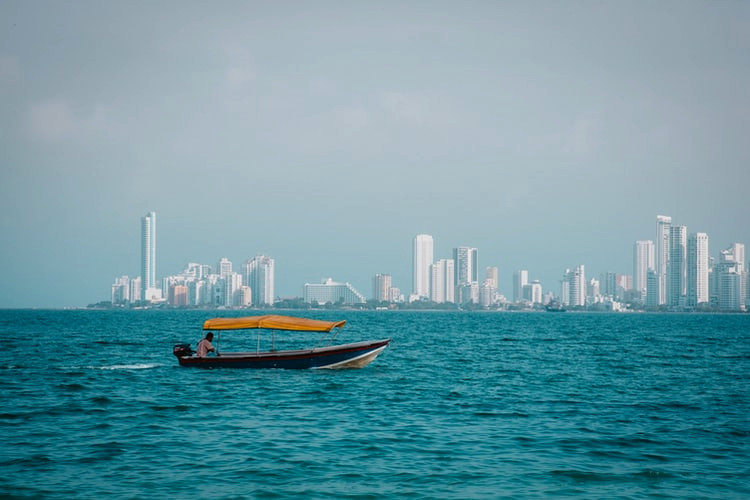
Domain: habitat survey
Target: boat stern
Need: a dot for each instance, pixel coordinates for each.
(182, 350)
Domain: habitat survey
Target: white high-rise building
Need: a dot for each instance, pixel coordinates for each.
(491, 273)
(437, 283)
(736, 253)
(677, 267)
(245, 296)
(466, 274)
(422, 254)
(532, 292)
(442, 286)
(663, 225)
(652, 289)
(381, 287)
(148, 257)
(731, 278)
(697, 269)
(136, 289)
(259, 275)
(487, 293)
(536, 292)
(520, 279)
(232, 289)
(224, 267)
(573, 289)
(121, 291)
(594, 290)
(643, 260)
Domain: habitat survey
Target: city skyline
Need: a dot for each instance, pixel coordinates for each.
(544, 134)
(693, 279)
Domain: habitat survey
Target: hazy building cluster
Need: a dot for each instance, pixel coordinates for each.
(673, 272)
(677, 271)
(201, 285)
(453, 280)
(197, 284)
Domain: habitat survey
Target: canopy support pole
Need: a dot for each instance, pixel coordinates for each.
(338, 329)
(325, 335)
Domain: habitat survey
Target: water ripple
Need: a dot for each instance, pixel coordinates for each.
(460, 406)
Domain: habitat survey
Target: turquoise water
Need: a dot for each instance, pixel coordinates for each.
(461, 405)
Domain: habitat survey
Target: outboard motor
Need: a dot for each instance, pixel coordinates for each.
(181, 350)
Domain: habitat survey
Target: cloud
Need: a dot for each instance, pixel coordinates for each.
(55, 120)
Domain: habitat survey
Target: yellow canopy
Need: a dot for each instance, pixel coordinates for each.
(272, 322)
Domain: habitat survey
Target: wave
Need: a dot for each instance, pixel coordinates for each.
(592, 476)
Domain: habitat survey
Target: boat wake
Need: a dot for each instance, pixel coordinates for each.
(139, 366)
(136, 366)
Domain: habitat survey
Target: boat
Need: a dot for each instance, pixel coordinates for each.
(323, 355)
(554, 306)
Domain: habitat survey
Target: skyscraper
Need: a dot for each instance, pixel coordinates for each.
(520, 279)
(677, 266)
(652, 289)
(259, 275)
(576, 287)
(608, 284)
(422, 253)
(466, 274)
(532, 292)
(492, 274)
(697, 269)
(736, 253)
(643, 260)
(148, 256)
(731, 277)
(442, 288)
(663, 225)
(381, 287)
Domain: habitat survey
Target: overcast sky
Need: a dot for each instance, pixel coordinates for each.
(328, 134)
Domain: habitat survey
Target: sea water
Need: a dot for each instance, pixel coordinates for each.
(461, 405)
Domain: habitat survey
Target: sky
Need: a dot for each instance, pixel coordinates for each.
(328, 134)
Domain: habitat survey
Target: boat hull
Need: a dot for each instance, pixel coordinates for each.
(354, 355)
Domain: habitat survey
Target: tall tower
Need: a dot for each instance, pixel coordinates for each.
(465, 259)
(697, 269)
(466, 274)
(573, 287)
(442, 288)
(663, 225)
(677, 266)
(520, 279)
(731, 277)
(643, 260)
(381, 287)
(578, 286)
(224, 267)
(422, 253)
(148, 255)
(259, 275)
(492, 275)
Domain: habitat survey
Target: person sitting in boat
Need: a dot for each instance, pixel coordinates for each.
(204, 346)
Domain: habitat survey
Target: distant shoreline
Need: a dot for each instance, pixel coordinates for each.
(254, 311)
